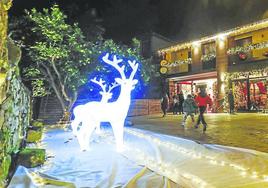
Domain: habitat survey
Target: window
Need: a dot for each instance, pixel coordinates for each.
(209, 48)
(189, 54)
(174, 56)
(243, 42)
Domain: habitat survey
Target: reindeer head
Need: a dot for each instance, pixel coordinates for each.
(106, 95)
(126, 83)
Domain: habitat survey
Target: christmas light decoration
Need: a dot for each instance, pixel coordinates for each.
(255, 73)
(91, 114)
(233, 32)
(208, 57)
(244, 49)
(180, 62)
(168, 170)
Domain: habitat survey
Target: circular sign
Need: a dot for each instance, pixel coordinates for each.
(164, 63)
(163, 70)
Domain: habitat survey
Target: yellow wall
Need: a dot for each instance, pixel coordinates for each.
(177, 56)
(257, 37)
(182, 54)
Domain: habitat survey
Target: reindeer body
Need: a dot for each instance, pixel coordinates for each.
(93, 113)
(80, 109)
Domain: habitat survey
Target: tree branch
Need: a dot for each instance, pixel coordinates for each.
(59, 78)
(52, 81)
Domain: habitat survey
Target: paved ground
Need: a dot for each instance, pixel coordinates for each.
(246, 130)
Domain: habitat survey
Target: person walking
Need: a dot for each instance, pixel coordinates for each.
(202, 101)
(231, 101)
(175, 104)
(164, 104)
(189, 108)
(181, 100)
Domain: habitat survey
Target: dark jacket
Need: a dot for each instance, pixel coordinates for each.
(164, 102)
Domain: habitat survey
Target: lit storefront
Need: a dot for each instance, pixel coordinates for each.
(250, 90)
(192, 84)
(236, 59)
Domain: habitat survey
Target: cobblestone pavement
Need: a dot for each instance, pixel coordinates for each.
(245, 130)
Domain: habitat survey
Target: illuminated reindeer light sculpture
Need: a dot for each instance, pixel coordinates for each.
(79, 110)
(93, 113)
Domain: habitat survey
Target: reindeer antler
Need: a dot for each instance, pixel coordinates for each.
(100, 83)
(114, 85)
(134, 67)
(114, 63)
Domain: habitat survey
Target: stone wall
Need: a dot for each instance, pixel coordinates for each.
(14, 119)
(15, 112)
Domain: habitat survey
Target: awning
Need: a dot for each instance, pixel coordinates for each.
(200, 76)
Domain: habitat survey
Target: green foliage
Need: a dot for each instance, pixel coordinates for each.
(133, 52)
(62, 45)
(60, 59)
(4, 169)
(37, 124)
(31, 157)
(39, 89)
(34, 136)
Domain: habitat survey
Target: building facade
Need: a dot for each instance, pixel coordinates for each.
(150, 44)
(235, 60)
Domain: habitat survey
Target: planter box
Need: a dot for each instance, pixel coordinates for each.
(31, 157)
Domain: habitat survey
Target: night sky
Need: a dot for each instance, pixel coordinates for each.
(178, 20)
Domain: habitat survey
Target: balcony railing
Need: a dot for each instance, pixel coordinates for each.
(209, 61)
(249, 53)
(240, 58)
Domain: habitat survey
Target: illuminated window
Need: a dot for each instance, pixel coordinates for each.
(209, 48)
(243, 42)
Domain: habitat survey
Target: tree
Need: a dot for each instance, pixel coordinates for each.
(61, 59)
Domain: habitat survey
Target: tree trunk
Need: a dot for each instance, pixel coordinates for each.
(67, 113)
(60, 81)
(56, 90)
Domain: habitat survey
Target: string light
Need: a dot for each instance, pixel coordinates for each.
(193, 154)
(233, 32)
(165, 169)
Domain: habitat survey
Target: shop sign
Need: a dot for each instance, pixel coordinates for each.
(163, 70)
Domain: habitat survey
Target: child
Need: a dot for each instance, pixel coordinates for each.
(189, 108)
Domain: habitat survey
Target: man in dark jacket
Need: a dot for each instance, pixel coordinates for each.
(181, 100)
(164, 104)
(231, 101)
(202, 101)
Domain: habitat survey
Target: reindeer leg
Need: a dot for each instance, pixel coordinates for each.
(84, 135)
(74, 126)
(98, 129)
(118, 129)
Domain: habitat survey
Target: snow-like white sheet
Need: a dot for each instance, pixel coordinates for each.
(148, 160)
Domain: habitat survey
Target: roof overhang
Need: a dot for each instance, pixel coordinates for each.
(200, 76)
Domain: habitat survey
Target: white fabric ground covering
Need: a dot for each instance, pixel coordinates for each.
(149, 160)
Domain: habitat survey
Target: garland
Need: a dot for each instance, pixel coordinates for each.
(240, 75)
(245, 49)
(208, 57)
(180, 62)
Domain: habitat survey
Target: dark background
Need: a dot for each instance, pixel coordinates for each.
(178, 20)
